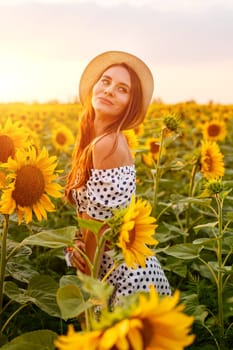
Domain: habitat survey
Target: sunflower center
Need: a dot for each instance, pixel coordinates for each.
(154, 147)
(37, 126)
(7, 148)
(147, 334)
(208, 162)
(214, 130)
(29, 185)
(60, 138)
(132, 234)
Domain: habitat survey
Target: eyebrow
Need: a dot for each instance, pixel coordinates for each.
(110, 78)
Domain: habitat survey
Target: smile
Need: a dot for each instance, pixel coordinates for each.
(105, 101)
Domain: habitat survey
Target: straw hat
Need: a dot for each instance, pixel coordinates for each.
(100, 63)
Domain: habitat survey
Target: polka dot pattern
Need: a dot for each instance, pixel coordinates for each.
(109, 189)
(105, 190)
(127, 281)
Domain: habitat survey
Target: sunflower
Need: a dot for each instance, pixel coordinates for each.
(139, 130)
(62, 138)
(37, 125)
(12, 137)
(152, 324)
(2, 179)
(78, 340)
(31, 183)
(163, 325)
(35, 140)
(132, 140)
(172, 123)
(152, 146)
(136, 232)
(215, 130)
(212, 165)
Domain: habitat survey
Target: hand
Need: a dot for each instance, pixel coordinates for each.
(77, 260)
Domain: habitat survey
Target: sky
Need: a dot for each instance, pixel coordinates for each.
(45, 45)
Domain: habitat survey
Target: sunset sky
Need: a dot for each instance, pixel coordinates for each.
(44, 46)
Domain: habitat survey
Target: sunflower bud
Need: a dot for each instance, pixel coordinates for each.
(171, 122)
(213, 187)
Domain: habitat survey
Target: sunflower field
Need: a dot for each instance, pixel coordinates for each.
(184, 166)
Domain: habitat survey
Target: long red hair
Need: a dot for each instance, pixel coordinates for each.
(82, 154)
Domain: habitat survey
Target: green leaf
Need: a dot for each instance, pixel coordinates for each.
(228, 241)
(96, 288)
(186, 251)
(41, 291)
(177, 267)
(207, 243)
(20, 251)
(70, 301)
(91, 225)
(70, 279)
(36, 340)
(15, 293)
(229, 216)
(58, 238)
(20, 270)
(178, 199)
(207, 225)
(172, 228)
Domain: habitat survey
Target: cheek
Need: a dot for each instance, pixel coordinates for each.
(125, 101)
(94, 90)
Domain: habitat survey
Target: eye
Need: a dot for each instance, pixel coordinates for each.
(123, 89)
(105, 81)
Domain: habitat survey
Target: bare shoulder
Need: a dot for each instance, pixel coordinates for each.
(105, 141)
(111, 151)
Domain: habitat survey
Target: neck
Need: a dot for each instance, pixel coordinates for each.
(100, 126)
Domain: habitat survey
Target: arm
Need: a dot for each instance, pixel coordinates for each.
(106, 154)
(87, 243)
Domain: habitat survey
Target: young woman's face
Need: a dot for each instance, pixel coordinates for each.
(111, 93)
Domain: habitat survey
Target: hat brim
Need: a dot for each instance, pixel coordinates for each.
(98, 64)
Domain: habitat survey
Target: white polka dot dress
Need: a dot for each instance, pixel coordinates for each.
(127, 281)
(106, 189)
(109, 189)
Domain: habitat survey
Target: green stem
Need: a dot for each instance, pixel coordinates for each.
(213, 336)
(190, 194)
(226, 281)
(11, 316)
(228, 328)
(98, 253)
(3, 258)
(109, 272)
(157, 173)
(87, 260)
(226, 257)
(163, 211)
(88, 315)
(7, 305)
(179, 222)
(210, 269)
(220, 266)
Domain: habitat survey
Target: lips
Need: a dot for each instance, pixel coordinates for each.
(105, 101)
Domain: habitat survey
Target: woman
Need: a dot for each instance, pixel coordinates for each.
(115, 90)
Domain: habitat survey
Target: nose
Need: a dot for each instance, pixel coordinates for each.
(109, 90)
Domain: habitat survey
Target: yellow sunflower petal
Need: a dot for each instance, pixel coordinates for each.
(212, 165)
(33, 181)
(135, 337)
